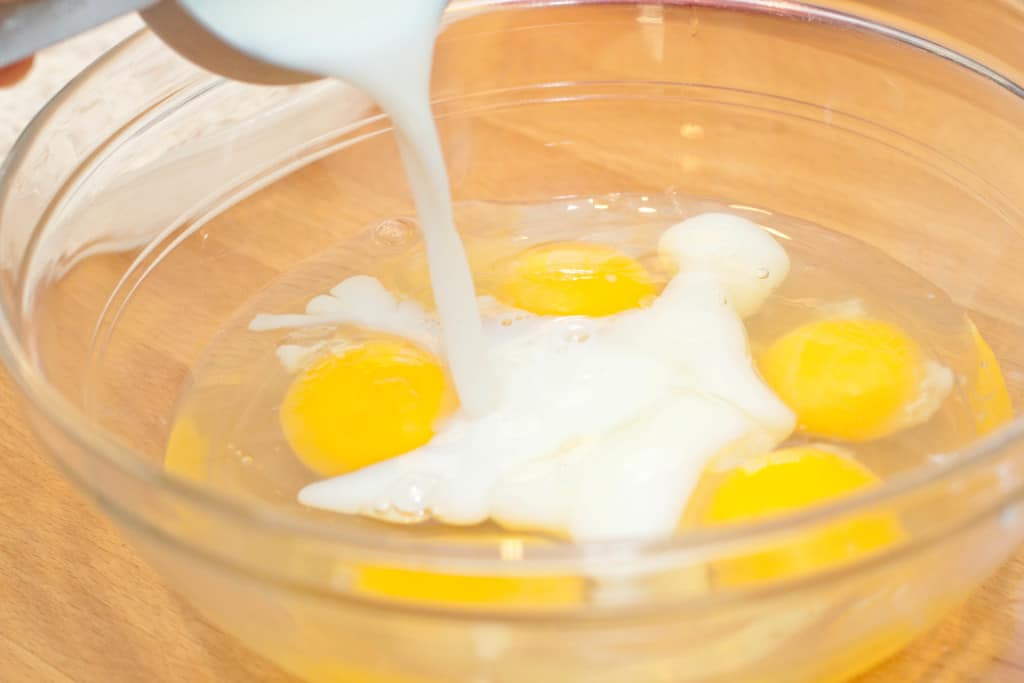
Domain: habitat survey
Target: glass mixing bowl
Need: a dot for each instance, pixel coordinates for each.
(151, 200)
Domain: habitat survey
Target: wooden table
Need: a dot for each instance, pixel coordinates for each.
(77, 603)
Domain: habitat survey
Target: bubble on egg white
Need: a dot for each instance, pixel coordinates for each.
(413, 496)
(395, 232)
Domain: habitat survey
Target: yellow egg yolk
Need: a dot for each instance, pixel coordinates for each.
(187, 448)
(847, 379)
(470, 590)
(574, 278)
(786, 481)
(989, 397)
(363, 404)
(429, 586)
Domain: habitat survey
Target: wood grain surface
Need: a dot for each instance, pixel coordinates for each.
(77, 603)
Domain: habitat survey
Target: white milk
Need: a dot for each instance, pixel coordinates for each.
(386, 48)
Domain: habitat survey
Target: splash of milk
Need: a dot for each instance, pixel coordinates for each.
(384, 47)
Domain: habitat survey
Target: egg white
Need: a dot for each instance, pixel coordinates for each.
(603, 426)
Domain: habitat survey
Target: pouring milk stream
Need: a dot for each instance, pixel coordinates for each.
(385, 48)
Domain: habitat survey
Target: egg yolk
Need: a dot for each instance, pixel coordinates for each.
(788, 480)
(574, 278)
(423, 585)
(468, 590)
(451, 589)
(363, 404)
(989, 397)
(187, 448)
(847, 379)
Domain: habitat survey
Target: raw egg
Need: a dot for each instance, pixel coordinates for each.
(788, 480)
(854, 379)
(574, 278)
(363, 404)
